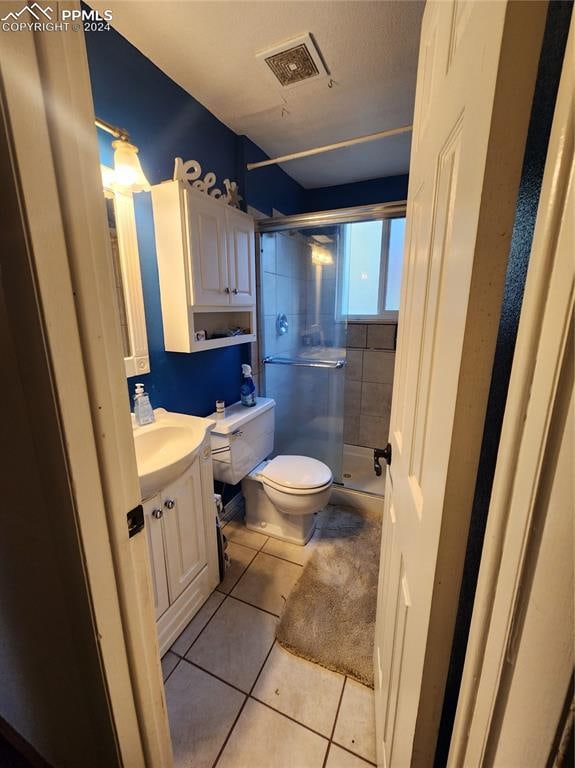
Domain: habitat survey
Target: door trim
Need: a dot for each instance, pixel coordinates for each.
(55, 155)
(505, 555)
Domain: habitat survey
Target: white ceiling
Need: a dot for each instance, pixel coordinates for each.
(370, 49)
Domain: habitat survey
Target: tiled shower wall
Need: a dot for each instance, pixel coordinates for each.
(369, 383)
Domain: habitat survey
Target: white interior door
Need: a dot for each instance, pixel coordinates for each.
(476, 73)
(207, 228)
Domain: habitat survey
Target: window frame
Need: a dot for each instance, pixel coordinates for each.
(383, 315)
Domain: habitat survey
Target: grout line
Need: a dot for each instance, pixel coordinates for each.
(242, 708)
(221, 591)
(179, 658)
(289, 717)
(203, 628)
(335, 721)
(245, 602)
(279, 557)
(360, 757)
(217, 677)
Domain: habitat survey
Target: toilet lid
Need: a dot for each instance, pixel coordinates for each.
(297, 472)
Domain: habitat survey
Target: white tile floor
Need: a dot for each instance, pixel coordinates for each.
(237, 699)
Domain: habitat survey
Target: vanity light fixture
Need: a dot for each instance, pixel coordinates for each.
(320, 256)
(128, 173)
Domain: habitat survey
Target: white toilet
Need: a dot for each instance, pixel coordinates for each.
(282, 494)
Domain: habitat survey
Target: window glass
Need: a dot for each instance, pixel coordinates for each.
(394, 264)
(364, 254)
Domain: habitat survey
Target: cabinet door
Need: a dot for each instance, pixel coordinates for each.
(184, 532)
(209, 263)
(157, 558)
(241, 257)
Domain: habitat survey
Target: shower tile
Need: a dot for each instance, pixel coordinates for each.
(376, 399)
(356, 335)
(269, 294)
(352, 397)
(354, 364)
(268, 261)
(373, 431)
(378, 366)
(351, 428)
(285, 301)
(381, 336)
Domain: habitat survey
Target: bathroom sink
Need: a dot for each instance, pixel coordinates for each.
(166, 448)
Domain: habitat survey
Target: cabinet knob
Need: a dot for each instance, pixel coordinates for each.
(226, 290)
(169, 503)
(157, 513)
(236, 291)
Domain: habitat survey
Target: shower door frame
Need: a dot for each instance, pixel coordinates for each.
(298, 221)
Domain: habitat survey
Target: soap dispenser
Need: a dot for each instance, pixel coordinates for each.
(143, 410)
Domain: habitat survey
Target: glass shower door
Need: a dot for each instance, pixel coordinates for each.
(304, 341)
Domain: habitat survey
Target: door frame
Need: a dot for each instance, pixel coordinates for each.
(532, 397)
(54, 156)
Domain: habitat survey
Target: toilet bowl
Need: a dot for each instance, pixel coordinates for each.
(283, 495)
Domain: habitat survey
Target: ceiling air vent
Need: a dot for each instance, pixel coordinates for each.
(294, 61)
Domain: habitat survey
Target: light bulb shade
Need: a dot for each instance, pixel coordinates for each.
(321, 256)
(128, 173)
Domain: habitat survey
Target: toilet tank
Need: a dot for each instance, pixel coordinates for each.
(242, 439)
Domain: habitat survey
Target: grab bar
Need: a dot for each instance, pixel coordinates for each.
(304, 362)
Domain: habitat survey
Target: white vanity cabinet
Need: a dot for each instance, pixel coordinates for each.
(180, 524)
(206, 265)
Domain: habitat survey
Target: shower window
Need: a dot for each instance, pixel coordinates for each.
(369, 278)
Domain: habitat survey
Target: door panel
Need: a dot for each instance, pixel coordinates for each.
(207, 225)
(241, 260)
(157, 557)
(465, 169)
(184, 530)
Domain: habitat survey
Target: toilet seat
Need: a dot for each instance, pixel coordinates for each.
(297, 475)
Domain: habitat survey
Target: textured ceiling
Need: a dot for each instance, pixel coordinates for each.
(370, 49)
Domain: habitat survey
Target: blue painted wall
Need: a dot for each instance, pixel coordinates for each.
(368, 192)
(270, 187)
(165, 122)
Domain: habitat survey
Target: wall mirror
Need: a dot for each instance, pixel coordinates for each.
(127, 277)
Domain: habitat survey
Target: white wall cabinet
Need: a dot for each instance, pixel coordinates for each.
(206, 265)
(181, 531)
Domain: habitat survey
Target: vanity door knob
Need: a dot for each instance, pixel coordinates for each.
(236, 291)
(226, 290)
(169, 503)
(157, 512)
